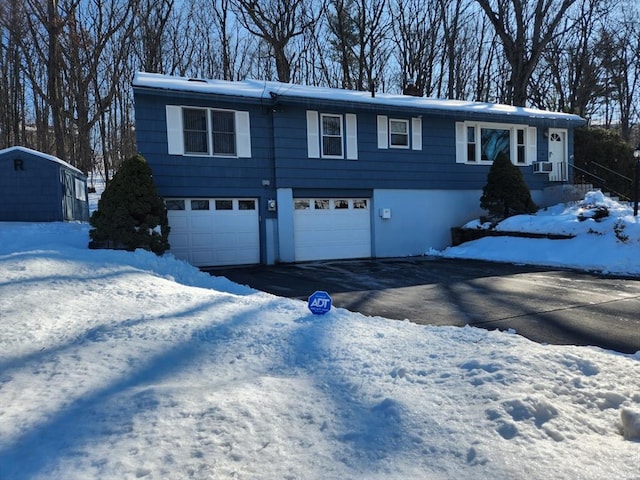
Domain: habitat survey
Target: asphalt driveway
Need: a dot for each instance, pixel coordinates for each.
(545, 305)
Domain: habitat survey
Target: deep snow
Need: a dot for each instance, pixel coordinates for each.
(119, 365)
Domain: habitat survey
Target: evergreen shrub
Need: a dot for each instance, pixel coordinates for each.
(506, 192)
(130, 213)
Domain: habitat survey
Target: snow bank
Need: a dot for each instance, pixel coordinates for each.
(121, 365)
(607, 244)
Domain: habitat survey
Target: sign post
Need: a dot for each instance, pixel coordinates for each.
(319, 302)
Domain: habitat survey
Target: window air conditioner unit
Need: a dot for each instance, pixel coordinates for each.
(542, 167)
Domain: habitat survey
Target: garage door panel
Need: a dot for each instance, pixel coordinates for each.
(220, 235)
(337, 230)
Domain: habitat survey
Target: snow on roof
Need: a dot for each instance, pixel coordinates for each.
(266, 89)
(46, 156)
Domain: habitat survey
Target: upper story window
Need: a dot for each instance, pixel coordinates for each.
(331, 135)
(208, 132)
(223, 132)
(399, 132)
(481, 143)
(194, 121)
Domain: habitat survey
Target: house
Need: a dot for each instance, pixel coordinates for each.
(36, 187)
(265, 172)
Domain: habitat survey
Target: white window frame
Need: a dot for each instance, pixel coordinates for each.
(207, 132)
(348, 135)
(323, 135)
(80, 188)
(462, 144)
(175, 132)
(414, 132)
(406, 134)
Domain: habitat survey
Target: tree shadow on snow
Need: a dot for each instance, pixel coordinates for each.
(369, 427)
(100, 414)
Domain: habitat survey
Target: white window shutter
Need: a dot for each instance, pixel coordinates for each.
(175, 134)
(461, 142)
(416, 133)
(383, 132)
(243, 135)
(352, 136)
(313, 134)
(532, 145)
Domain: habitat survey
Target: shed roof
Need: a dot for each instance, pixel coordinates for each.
(36, 153)
(266, 90)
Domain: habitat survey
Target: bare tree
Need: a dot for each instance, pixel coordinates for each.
(621, 49)
(525, 28)
(276, 22)
(571, 76)
(12, 90)
(416, 30)
(152, 17)
(360, 29)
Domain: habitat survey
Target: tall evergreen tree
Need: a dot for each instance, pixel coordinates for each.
(130, 213)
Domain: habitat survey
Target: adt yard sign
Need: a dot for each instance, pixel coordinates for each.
(319, 303)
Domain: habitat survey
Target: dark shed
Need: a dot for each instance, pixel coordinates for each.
(37, 187)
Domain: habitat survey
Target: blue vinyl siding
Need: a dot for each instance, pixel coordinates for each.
(280, 153)
(202, 176)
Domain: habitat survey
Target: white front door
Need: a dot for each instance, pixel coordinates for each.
(331, 228)
(558, 154)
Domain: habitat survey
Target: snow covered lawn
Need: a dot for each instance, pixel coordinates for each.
(118, 365)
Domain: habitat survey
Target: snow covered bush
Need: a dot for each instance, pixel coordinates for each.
(130, 213)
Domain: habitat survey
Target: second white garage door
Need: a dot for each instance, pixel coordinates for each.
(214, 231)
(327, 228)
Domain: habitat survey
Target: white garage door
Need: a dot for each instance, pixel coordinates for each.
(214, 231)
(327, 228)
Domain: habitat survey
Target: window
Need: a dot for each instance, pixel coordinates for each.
(399, 133)
(223, 132)
(174, 204)
(301, 204)
(494, 142)
(481, 143)
(224, 204)
(80, 189)
(195, 130)
(471, 144)
(360, 204)
(340, 204)
(199, 204)
(246, 204)
(321, 204)
(521, 147)
(208, 132)
(331, 135)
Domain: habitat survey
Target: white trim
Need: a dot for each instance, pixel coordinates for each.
(351, 127)
(531, 146)
(383, 131)
(406, 123)
(341, 123)
(175, 132)
(416, 133)
(243, 135)
(313, 134)
(461, 142)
